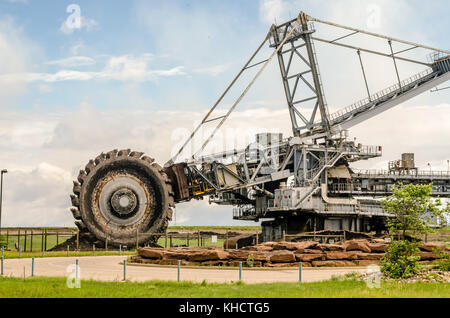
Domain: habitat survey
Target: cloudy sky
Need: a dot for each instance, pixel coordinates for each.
(139, 74)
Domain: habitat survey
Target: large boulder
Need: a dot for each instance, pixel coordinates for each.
(214, 263)
(431, 247)
(365, 262)
(370, 256)
(331, 247)
(176, 255)
(426, 256)
(332, 263)
(377, 247)
(357, 245)
(294, 246)
(258, 248)
(309, 251)
(207, 255)
(342, 255)
(151, 253)
(245, 254)
(282, 257)
(281, 265)
(309, 257)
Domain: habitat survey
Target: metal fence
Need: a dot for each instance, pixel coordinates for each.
(34, 239)
(44, 239)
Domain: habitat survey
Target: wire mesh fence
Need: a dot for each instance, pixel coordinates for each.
(35, 239)
(30, 240)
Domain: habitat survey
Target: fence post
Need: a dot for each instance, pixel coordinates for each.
(284, 235)
(25, 242)
(120, 249)
(240, 270)
(78, 240)
(45, 239)
(344, 236)
(7, 238)
(178, 271)
(93, 249)
(199, 238)
(42, 239)
(32, 266)
(3, 256)
(124, 269)
(187, 239)
(18, 238)
(57, 237)
(300, 272)
(137, 239)
(226, 241)
(43, 251)
(166, 238)
(31, 242)
(20, 251)
(171, 240)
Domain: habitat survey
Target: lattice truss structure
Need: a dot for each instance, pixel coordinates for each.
(293, 44)
(312, 124)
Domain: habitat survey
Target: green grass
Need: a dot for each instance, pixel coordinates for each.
(56, 287)
(15, 254)
(37, 241)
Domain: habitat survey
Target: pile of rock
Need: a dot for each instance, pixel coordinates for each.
(425, 275)
(360, 252)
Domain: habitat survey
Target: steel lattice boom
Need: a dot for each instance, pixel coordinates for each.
(300, 183)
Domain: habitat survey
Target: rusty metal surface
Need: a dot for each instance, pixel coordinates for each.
(179, 181)
(122, 195)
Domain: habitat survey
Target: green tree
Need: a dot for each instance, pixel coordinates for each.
(413, 209)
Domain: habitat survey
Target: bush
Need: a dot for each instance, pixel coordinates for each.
(400, 261)
(250, 261)
(444, 260)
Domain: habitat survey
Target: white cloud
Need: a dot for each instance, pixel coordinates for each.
(85, 23)
(75, 49)
(213, 70)
(272, 11)
(44, 152)
(120, 68)
(73, 61)
(16, 52)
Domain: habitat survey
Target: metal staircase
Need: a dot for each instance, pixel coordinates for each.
(392, 96)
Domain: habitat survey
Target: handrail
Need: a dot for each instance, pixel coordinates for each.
(390, 173)
(379, 95)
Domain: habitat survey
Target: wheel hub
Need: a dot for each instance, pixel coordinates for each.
(124, 201)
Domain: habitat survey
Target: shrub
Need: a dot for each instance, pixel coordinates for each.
(444, 260)
(250, 261)
(399, 260)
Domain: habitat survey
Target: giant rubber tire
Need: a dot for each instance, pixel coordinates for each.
(157, 210)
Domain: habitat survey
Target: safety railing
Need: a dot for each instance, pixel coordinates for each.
(380, 95)
(376, 173)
